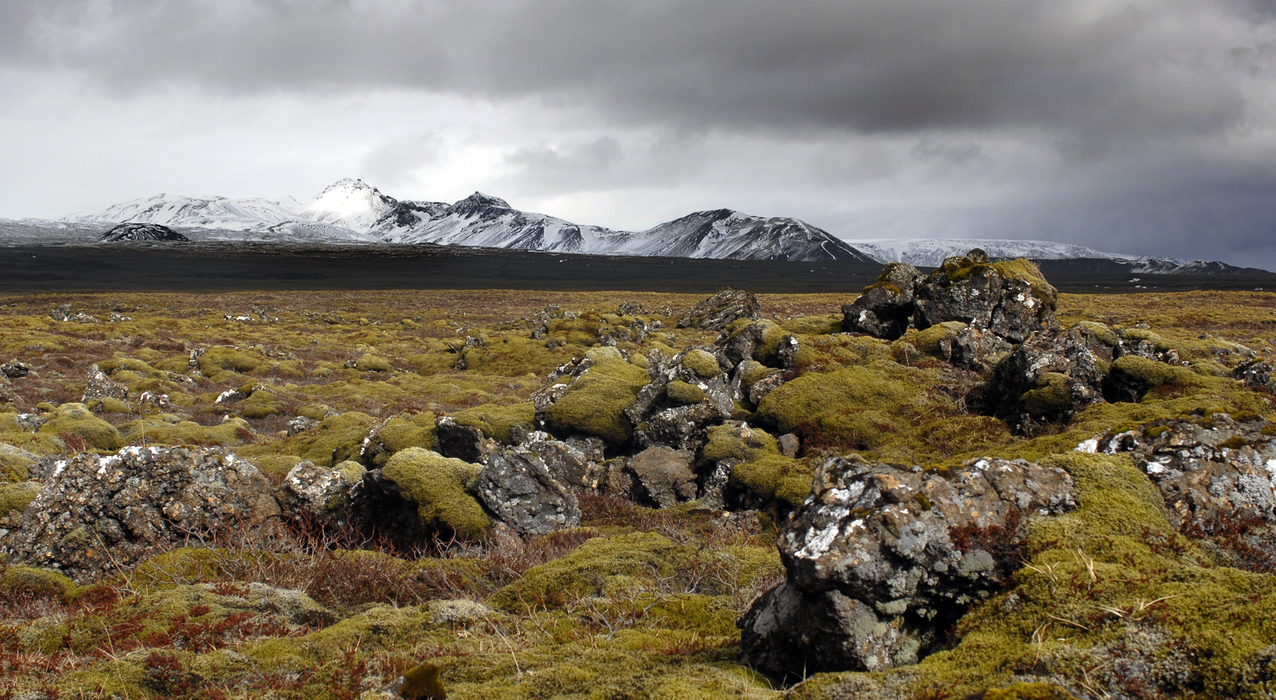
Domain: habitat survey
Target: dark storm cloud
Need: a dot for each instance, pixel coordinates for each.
(1103, 69)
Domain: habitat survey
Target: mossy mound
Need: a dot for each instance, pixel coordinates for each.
(399, 433)
(1110, 582)
(774, 478)
(15, 463)
(277, 466)
(596, 568)
(372, 363)
(683, 393)
(108, 405)
(596, 401)
(833, 408)
(218, 361)
(14, 497)
(77, 419)
(499, 422)
(704, 364)
(929, 340)
(161, 431)
(437, 485)
(337, 439)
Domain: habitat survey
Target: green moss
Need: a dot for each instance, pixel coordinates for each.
(1022, 269)
(231, 432)
(928, 341)
(681, 392)
(275, 465)
(498, 422)
(221, 359)
(776, 477)
(828, 402)
(1050, 396)
(15, 497)
(813, 325)
(1151, 374)
(604, 353)
(438, 484)
(76, 418)
(372, 363)
(16, 577)
(753, 372)
(1234, 442)
(315, 411)
(399, 433)
(601, 565)
(596, 401)
(263, 403)
(351, 472)
(1100, 331)
(336, 439)
(729, 442)
(108, 405)
(15, 463)
(1027, 691)
(422, 683)
(704, 364)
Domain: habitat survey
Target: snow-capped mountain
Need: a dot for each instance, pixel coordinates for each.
(351, 211)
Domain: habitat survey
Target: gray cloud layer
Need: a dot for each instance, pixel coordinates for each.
(1156, 115)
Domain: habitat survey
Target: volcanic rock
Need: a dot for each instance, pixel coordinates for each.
(518, 488)
(720, 310)
(664, 476)
(142, 232)
(885, 308)
(881, 561)
(97, 514)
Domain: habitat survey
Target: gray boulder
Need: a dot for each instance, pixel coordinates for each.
(663, 476)
(15, 369)
(720, 310)
(1046, 379)
(314, 494)
(573, 462)
(885, 308)
(100, 386)
(880, 561)
(1010, 299)
(517, 487)
(99, 514)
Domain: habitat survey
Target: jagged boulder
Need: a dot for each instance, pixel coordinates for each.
(663, 476)
(881, 561)
(573, 462)
(1214, 472)
(101, 386)
(463, 442)
(1046, 379)
(98, 513)
(1254, 373)
(685, 395)
(885, 308)
(314, 494)
(519, 489)
(1012, 299)
(720, 310)
(15, 369)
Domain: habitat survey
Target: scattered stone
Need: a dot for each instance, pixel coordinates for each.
(301, 424)
(519, 489)
(789, 444)
(881, 561)
(100, 386)
(885, 308)
(720, 310)
(96, 515)
(318, 495)
(62, 312)
(663, 476)
(1254, 373)
(15, 369)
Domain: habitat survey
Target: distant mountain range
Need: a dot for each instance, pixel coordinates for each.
(352, 211)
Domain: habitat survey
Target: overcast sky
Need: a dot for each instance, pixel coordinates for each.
(1141, 126)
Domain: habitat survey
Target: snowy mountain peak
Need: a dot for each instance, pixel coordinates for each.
(351, 203)
(476, 204)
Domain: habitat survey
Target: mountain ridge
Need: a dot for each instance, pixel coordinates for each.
(353, 211)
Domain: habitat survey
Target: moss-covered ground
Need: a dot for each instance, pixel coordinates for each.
(636, 602)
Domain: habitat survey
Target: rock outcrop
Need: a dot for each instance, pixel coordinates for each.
(885, 308)
(880, 561)
(720, 310)
(518, 488)
(96, 514)
(142, 232)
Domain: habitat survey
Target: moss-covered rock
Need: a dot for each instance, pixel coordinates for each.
(15, 463)
(844, 407)
(337, 438)
(684, 393)
(596, 401)
(399, 433)
(372, 363)
(217, 361)
(161, 430)
(704, 364)
(14, 497)
(438, 486)
(500, 422)
(77, 419)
